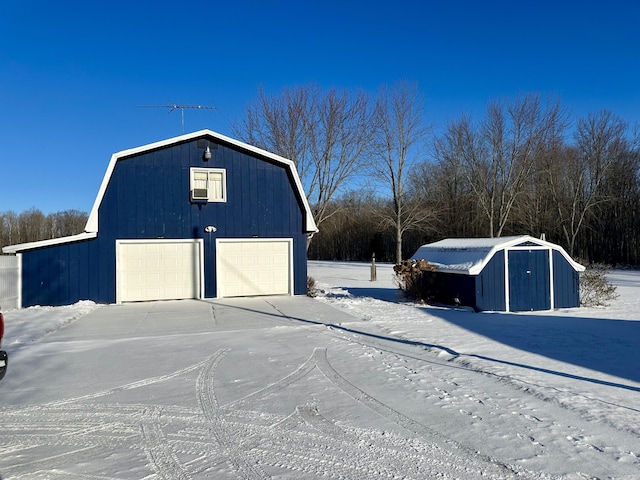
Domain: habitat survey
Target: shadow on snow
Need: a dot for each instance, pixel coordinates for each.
(604, 345)
(607, 346)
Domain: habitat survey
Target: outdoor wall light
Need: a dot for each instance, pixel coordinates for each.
(210, 229)
(207, 154)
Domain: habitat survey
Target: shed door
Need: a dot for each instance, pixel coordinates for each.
(157, 270)
(254, 267)
(529, 281)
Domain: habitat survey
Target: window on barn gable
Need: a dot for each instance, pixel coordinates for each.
(208, 185)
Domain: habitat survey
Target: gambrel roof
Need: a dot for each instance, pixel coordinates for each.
(310, 224)
(91, 228)
(470, 255)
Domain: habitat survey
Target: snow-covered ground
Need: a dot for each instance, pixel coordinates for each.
(290, 388)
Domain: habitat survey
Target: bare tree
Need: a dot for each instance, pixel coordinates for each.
(32, 225)
(499, 157)
(513, 171)
(445, 182)
(350, 232)
(339, 139)
(325, 134)
(399, 141)
(67, 222)
(281, 124)
(576, 179)
(618, 219)
(9, 226)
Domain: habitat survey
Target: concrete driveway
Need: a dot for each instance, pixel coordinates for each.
(124, 342)
(272, 387)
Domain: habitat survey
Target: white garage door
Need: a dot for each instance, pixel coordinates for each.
(158, 270)
(254, 267)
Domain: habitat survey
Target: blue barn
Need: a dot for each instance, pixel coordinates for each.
(511, 274)
(196, 216)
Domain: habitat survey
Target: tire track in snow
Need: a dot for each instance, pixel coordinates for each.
(607, 458)
(225, 436)
(130, 386)
(239, 440)
(88, 428)
(299, 373)
(312, 417)
(320, 354)
(158, 449)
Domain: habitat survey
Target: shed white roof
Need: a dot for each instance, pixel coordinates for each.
(470, 255)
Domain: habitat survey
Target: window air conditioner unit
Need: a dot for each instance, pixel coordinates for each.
(200, 194)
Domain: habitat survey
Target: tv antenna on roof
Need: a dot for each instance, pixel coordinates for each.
(174, 106)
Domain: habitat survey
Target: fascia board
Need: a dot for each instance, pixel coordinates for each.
(92, 221)
(512, 242)
(476, 269)
(48, 243)
(577, 267)
(508, 244)
(552, 246)
(457, 271)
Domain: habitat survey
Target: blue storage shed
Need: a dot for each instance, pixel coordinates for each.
(196, 216)
(511, 274)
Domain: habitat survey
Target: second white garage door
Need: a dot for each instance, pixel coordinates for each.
(158, 269)
(254, 267)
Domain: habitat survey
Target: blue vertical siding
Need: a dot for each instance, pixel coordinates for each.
(148, 198)
(60, 274)
(452, 289)
(260, 203)
(566, 283)
(524, 272)
(490, 285)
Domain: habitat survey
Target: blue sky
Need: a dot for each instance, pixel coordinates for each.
(72, 73)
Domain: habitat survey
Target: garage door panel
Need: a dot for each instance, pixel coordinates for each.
(158, 270)
(248, 268)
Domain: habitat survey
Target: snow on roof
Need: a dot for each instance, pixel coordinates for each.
(473, 243)
(470, 255)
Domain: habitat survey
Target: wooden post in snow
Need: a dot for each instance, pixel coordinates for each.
(374, 275)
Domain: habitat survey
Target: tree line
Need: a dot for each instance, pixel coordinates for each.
(381, 180)
(32, 225)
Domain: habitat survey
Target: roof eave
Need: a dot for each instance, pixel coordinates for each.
(512, 242)
(456, 271)
(13, 249)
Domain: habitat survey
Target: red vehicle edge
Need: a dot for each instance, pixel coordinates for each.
(3, 355)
